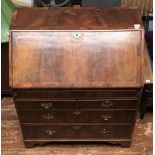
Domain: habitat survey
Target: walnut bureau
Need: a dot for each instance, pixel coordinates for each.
(76, 73)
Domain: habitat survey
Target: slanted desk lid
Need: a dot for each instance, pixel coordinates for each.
(75, 58)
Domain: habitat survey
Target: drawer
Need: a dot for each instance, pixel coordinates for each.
(44, 105)
(78, 116)
(80, 104)
(77, 131)
(76, 93)
(108, 104)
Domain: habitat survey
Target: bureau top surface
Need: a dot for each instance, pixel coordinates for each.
(85, 18)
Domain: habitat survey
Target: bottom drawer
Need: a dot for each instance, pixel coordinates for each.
(77, 131)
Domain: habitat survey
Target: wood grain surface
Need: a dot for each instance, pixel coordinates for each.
(59, 59)
(82, 18)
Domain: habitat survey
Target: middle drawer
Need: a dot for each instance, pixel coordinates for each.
(78, 116)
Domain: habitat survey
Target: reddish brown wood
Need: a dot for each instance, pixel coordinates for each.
(92, 59)
(85, 18)
(76, 131)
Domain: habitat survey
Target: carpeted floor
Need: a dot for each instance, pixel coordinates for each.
(12, 142)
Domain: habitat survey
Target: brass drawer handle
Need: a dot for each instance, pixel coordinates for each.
(76, 127)
(46, 105)
(50, 132)
(104, 131)
(76, 112)
(107, 104)
(48, 116)
(106, 117)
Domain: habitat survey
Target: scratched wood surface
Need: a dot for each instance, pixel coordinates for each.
(12, 142)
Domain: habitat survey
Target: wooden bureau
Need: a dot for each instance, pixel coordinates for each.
(76, 73)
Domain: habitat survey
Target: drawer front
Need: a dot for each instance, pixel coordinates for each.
(108, 104)
(77, 93)
(77, 131)
(80, 104)
(45, 105)
(78, 116)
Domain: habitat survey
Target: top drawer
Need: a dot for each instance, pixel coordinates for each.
(77, 93)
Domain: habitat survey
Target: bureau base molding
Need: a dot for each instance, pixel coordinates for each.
(123, 142)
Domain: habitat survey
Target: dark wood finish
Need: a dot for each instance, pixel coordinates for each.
(12, 141)
(78, 116)
(62, 78)
(44, 104)
(147, 99)
(24, 104)
(77, 93)
(108, 104)
(5, 89)
(123, 143)
(88, 132)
